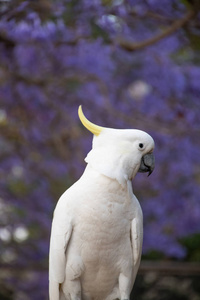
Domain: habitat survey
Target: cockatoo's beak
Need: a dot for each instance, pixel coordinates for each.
(147, 163)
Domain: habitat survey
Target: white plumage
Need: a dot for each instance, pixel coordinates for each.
(97, 229)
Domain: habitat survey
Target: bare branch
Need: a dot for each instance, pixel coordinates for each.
(152, 15)
(132, 46)
(170, 268)
(138, 120)
(173, 268)
(7, 41)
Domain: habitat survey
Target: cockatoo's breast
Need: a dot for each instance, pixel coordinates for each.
(100, 246)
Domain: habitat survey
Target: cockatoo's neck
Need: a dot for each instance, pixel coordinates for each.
(115, 174)
(94, 174)
(111, 184)
(108, 162)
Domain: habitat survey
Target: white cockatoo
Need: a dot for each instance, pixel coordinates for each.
(97, 229)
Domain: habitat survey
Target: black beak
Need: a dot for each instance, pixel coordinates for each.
(147, 163)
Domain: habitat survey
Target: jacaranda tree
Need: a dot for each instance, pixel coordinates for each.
(131, 64)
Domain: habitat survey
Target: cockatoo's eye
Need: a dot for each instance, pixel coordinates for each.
(141, 145)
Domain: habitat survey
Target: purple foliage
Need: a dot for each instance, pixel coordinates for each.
(50, 65)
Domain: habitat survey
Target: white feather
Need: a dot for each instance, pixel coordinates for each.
(97, 231)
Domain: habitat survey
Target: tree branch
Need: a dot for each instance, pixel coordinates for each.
(8, 42)
(170, 268)
(132, 46)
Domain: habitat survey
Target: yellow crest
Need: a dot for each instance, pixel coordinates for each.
(95, 129)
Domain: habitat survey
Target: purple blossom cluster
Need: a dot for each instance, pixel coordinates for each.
(56, 57)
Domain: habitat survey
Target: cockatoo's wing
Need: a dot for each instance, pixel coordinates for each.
(136, 239)
(60, 235)
(136, 227)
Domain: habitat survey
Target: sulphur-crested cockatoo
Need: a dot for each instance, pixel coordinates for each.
(97, 229)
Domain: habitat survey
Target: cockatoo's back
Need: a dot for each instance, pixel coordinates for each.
(97, 233)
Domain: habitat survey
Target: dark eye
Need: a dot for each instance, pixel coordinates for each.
(141, 145)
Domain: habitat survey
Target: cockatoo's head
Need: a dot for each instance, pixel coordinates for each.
(119, 153)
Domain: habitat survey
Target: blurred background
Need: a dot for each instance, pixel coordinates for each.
(131, 64)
